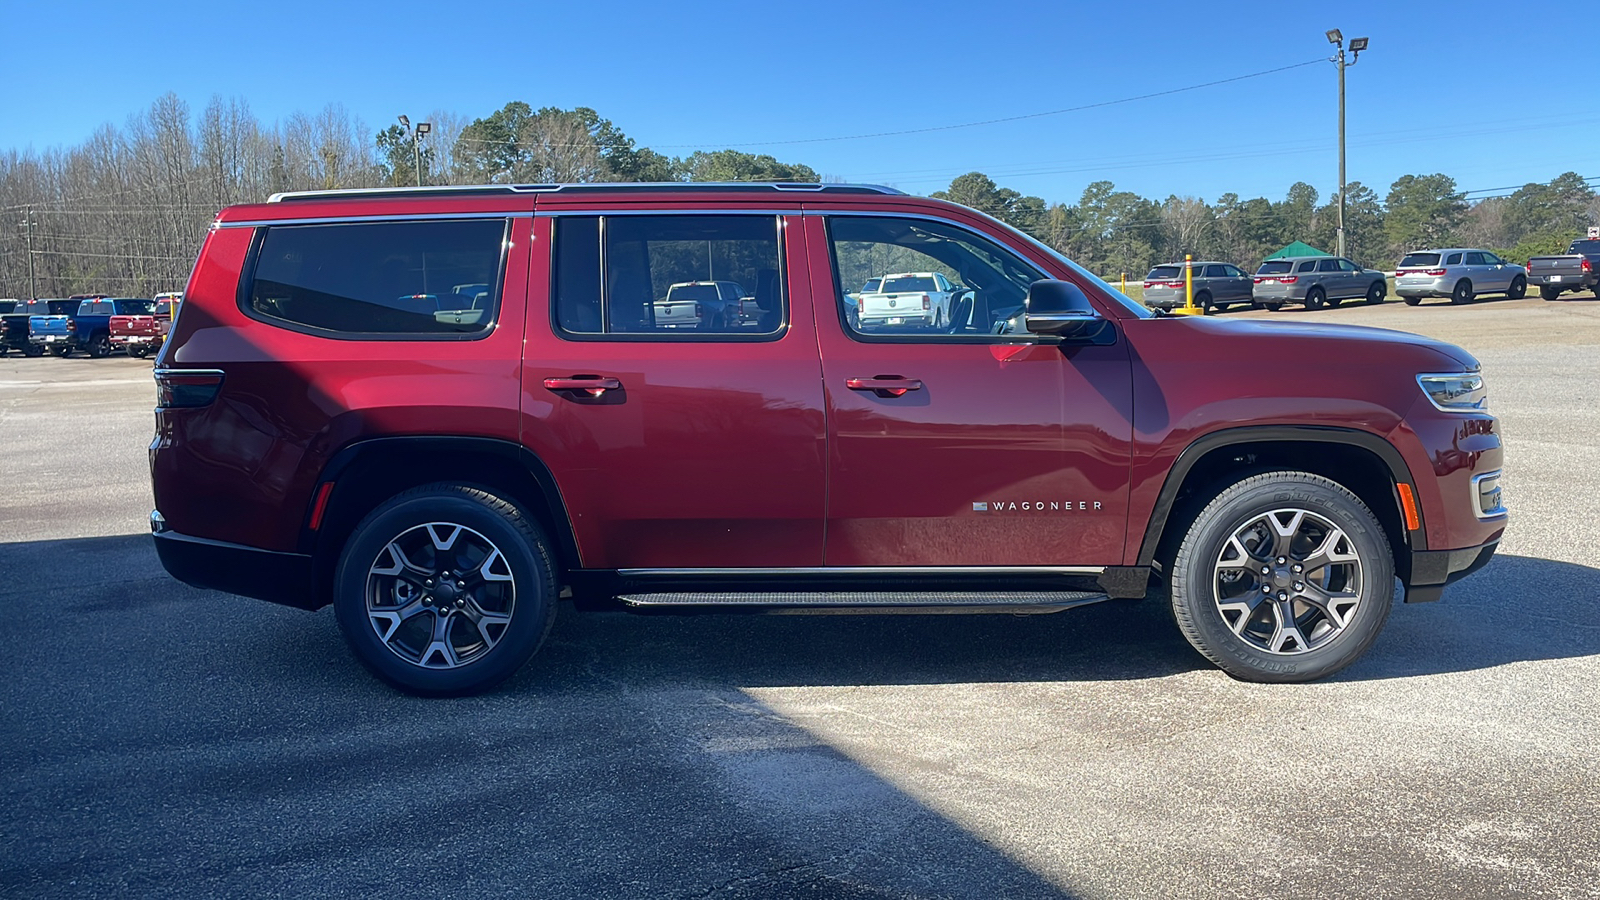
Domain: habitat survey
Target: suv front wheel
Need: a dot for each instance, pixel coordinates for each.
(1284, 577)
(445, 589)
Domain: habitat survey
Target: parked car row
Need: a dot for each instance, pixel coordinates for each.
(1457, 273)
(95, 324)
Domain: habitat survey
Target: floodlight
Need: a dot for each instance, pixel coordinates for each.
(405, 122)
(1335, 35)
(1358, 44)
(424, 127)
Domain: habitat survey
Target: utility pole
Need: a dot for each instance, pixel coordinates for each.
(27, 223)
(1357, 45)
(417, 134)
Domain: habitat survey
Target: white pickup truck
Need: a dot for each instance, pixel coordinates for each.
(907, 299)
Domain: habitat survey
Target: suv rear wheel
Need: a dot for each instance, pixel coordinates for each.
(1284, 577)
(1314, 298)
(445, 589)
(1462, 293)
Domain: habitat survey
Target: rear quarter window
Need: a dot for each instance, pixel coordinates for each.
(400, 279)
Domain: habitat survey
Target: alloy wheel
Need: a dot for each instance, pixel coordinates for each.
(1288, 581)
(440, 595)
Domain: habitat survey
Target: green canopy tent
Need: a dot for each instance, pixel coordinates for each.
(1298, 248)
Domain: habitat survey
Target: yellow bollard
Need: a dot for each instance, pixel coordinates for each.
(1188, 308)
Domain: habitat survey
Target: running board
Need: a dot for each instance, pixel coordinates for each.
(862, 602)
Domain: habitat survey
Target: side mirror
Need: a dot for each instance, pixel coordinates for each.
(1061, 308)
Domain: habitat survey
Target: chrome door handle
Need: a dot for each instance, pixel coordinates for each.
(884, 385)
(592, 385)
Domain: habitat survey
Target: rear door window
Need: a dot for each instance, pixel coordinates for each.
(402, 279)
(1328, 265)
(1216, 272)
(1474, 259)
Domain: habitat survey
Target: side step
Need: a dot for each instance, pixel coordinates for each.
(862, 602)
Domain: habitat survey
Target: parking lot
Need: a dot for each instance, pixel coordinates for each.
(166, 741)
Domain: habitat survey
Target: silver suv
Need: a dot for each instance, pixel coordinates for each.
(1459, 273)
(1316, 281)
(1216, 286)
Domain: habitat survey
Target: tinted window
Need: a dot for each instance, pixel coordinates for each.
(871, 285)
(381, 277)
(1234, 271)
(1275, 267)
(136, 307)
(1453, 259)
(1327, 265)
(1420, 259)
(1473, 259)
(907, 284)
(1309, 265)
(988, 282)
(1346, 265)
(1216, 272)
(56, 308)
(667, 276)
(1584, 247)
(1167, 273)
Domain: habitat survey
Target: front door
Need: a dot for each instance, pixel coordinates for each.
(678, 438)
(967, 444)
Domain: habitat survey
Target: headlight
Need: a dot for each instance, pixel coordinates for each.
(1458, 392)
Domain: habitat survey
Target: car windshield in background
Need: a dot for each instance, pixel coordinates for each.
(1163, 272)
(902, 285)
(1420, 259)
(692, 292)
(1275, 267)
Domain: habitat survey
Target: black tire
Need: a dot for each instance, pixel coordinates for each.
(1200, 574)
(100, 346)
(1549, 291)
(1519, 288)
(1205, 303)
(524, 591)
(33, 352)
(1315, 298)
(139, 351)
(1377, 292)
(1462, 293)
(61, 350)
(1273, 307)
(1412, 301)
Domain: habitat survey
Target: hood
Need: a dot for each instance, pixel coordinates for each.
(1361, 343)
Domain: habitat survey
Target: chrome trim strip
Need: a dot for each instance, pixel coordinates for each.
(398, 217)
(157, 373)
(868, 570)
(679, 211)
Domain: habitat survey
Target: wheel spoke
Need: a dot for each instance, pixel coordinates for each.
(440, 645)
(484, 620)
(488, 572)
(1283, 535)
(399, 565)
(1245, 606)
(1329, 553)
(1285, 629)
(443, 542)
(1235, 556)
(392, 619)
(1338, 606)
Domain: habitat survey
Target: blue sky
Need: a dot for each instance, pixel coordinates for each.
(1452, 88)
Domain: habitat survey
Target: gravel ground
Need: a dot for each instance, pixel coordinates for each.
(164, 741)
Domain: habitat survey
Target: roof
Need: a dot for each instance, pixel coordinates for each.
(1299, 248)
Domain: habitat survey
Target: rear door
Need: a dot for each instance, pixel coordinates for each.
(969, 446)
(676, 448)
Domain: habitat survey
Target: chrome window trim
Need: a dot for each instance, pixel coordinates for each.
(866, 570)
(604, 211)
(352, 220)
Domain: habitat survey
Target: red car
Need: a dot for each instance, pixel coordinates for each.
(442, 470)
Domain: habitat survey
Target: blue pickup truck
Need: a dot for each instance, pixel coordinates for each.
(35, 326)
(91, 326)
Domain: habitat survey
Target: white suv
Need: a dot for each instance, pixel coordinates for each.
(1459, 273)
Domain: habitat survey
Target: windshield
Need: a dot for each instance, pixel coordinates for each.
(692, 292)
(1163, 273)
(1275, 267)
(1420, 259)
(916, 283)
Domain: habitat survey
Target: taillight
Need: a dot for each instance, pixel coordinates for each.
(1259, 279)
(71, 325)
(699, 311)
(186, 388)
(1399, 272)
(926, 303)
(1586, 265)
(1175, 284)
(1289, 279)
(1149, 284)
(1434, 273)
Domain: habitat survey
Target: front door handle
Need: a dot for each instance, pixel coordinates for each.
(884, 385)
(592, 385)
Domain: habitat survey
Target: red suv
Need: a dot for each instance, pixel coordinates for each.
(440, 410)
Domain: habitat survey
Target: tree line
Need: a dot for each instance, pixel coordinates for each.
(125, 211)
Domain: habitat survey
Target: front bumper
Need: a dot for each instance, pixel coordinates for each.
(286, 578)
(1433, 570)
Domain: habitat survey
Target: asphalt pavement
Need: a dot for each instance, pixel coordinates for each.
(164, 741)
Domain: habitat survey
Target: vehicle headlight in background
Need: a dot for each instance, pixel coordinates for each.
(1456, 392)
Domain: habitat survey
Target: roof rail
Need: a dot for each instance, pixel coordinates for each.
(606, 186)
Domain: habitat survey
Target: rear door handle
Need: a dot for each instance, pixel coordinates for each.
(591, 385)
(884, 385)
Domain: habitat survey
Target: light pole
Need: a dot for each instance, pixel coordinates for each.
(417, 134)
(27, 223)
(1357, 45)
